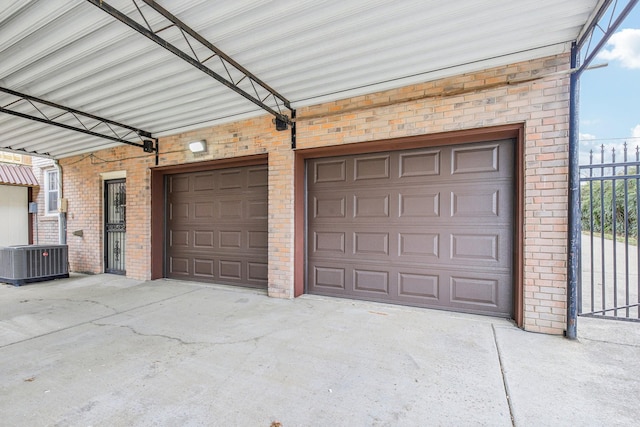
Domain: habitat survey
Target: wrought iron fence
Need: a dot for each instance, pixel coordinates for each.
(609, 193)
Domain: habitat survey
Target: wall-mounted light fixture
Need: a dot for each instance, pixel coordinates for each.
(198, 146)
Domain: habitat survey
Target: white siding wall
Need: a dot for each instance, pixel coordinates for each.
(14, 216)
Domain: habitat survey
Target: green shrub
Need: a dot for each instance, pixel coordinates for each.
(591, 194)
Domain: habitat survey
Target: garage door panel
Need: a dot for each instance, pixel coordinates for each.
(257, 271)
(402, 223)
(470, 247)
(231, 179)
(419, 164)
(483, 294)
(220, 238)
(203, 267)
(409, 205)
(412, 244)
(257, 177)
(371, 205)
(178, 211)
(230, 239)
(257, 240)
(203, 239)
(371, 243)
(467, 291)
(484, 161)
(329, 206)
(178, 184)
(487, 205)
(474, 159)
(422, 286)
(230, 209)
(230, 269)
(203, 182)
(473, 290)
(415, 204)
(420, 245)
(370, 281)
(330, 171)
(476, 247)
(485, 248)
(179, 266)
(220, 234)
(257, 209)
(474, 203)
(203, 211)
(371, 167)
(328, 243)
(179, 239)
(328, 277)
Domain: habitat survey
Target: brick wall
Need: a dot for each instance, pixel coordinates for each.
(505, 95)
(45, 227)
(473, 101)
(83, 187)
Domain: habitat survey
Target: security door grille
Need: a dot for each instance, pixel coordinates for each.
(115, 226)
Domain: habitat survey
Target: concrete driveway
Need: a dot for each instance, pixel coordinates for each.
(109, 351)
(594, 296)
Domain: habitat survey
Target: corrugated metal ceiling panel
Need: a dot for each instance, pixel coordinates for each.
(74, 54)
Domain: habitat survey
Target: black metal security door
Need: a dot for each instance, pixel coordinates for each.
(115, 226)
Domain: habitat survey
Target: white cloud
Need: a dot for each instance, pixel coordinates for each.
(624, 46)
(586, 144)
(589, 122)
(635, 132)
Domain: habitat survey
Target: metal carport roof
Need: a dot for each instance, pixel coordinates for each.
(73, 53)
(17, 175)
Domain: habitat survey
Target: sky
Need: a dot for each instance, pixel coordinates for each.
(609, 111)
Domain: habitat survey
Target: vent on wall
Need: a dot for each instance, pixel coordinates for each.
(33, 263)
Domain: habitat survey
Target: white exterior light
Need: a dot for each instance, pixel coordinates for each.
(198, 146)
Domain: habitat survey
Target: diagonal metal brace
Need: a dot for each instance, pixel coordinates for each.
(196, 63)
(77, 114)
(586, 38)
(178, 23)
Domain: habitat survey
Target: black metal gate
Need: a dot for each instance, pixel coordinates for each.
(609, 193)
(115, 226)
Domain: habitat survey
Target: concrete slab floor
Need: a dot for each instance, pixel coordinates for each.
(108, 351)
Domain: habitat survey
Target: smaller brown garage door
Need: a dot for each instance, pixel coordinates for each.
(217, 226)
(429, 227)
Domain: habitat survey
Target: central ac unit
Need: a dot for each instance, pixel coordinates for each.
(33, 263)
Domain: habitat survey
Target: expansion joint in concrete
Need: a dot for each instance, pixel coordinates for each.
(505, 383)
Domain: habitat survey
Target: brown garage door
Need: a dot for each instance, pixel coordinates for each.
(429, 227)
(217, 226)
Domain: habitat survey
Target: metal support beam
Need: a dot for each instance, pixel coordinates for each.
(583, 51)
(61, 111)
(588, 45)
(251, 80)
(574, 238)
(293, 130)
(157, 150)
